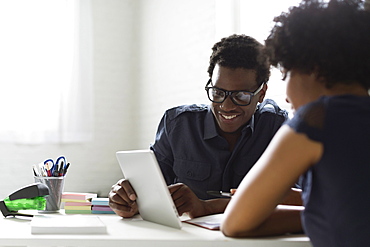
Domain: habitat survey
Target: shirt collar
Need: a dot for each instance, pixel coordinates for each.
(210, 129)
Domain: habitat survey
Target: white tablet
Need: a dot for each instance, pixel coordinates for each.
(154, 201)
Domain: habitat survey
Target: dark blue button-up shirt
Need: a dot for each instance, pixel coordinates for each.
(190, 150)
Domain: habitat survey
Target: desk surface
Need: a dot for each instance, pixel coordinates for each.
(135, 232)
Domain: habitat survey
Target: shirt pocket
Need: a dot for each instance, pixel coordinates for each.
(191, 170)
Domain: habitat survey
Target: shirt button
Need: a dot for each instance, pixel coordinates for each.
(189, 173)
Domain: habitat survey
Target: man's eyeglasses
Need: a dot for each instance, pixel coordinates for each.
(238, 97)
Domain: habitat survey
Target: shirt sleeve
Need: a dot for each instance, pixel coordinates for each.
(310, 120)
(163, 151)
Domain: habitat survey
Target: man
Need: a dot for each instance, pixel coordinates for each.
(204, 148)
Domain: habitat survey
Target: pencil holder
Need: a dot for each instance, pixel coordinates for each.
(53, 200)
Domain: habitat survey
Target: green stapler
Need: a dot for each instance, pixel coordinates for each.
(30, 197)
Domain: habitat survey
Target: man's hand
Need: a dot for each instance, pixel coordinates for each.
(187, 202)
(122, 199)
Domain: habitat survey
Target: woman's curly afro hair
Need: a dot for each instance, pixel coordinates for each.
(331, 40)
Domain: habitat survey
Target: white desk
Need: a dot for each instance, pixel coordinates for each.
(136, 233)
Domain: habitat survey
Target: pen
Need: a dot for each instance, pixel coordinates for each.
(49, 166)
(61, 169)
(56, 170)
(39, 169)
(50, 169)
(42, 172)
(220, 193)
(59, 166)
(35, 172)
(65, 169)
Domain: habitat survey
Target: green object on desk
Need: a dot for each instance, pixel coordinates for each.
(37, 203)
(28, 197)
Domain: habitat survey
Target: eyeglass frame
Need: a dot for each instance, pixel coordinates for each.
(229, 93)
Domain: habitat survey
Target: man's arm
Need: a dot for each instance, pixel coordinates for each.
(163, 151)
(187, 202)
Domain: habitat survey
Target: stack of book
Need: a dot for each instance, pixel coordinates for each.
(101, 206)
(77, 203)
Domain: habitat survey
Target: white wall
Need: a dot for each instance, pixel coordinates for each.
(93, 165)
(176, 38)
(149, 55)
(138, 44)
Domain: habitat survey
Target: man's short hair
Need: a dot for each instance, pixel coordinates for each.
(240, 51)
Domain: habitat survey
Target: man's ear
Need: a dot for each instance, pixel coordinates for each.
(262, 93)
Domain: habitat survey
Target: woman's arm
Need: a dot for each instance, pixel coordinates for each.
(253, 209)
(293, 197)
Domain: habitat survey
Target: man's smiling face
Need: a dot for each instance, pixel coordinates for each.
(230, 117)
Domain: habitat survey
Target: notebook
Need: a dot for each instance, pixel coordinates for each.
(154, 201)
(67, 224)
(211, 222)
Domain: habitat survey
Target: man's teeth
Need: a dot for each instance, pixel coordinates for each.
(229, 117)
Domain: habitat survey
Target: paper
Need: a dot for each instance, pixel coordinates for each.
(100, 201)
(211, 222)
(77, 196)
(79, 207)
(67, 224)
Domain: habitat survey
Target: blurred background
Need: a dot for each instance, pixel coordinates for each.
(87, 78)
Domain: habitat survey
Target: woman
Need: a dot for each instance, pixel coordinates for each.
(324, 50)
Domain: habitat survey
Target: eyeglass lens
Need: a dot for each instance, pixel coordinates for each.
(218, 96)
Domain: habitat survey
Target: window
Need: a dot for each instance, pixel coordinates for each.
(46, 75)
(254, 18)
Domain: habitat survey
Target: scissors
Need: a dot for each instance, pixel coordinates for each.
(55, 169)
